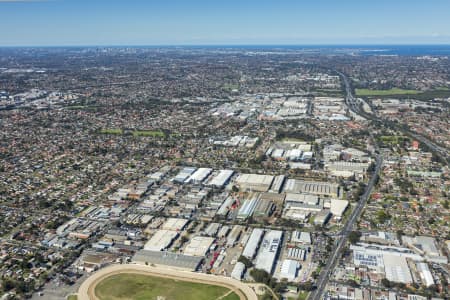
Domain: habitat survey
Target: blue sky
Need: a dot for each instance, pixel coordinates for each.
(175, 22)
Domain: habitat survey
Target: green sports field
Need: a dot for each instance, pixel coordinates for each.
(144, 287)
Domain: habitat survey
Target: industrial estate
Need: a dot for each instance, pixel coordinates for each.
(223, 173)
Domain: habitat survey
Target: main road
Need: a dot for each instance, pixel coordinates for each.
(325, 274)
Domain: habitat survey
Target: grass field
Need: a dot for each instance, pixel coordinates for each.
(111, 131)
(153, 133)
(72, 297)
(144, 287)
(394, 91)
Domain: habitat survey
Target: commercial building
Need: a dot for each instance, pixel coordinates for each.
(268, 251)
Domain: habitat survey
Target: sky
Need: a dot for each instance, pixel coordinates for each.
(222, 22)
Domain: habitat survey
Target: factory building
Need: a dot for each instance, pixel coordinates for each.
(184, 174)
(268, 251)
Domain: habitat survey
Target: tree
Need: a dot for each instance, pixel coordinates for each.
(247, 262)
(260, 276)
(354, 237)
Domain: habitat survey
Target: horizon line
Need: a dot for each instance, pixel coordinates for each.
(224, 44)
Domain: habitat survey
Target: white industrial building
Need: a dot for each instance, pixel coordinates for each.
(199, 175)
(161, 240)
(338, 207)
(268, 251)
(301, 237)
(225, 207)
(198, 246)
(253, 243)
(425, 274)
(221, 179)
(289, 269)
(238, 271)
(184, 174)
(396, 269)
(277, 184)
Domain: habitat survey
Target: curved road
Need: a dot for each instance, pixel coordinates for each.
(87, 288)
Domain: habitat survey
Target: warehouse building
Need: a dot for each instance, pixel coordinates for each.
(397, 269)
(198, 176)
(184, 174)
(301, 237)
(289, 269)
(221, 179)
(225, 207)
(238, 271)
(277, 184)
(212, 229)
(254, 182)
(311, 187)
(174, 260)
(253, 243)
(247, 208)
(175, 224)
(198, 246)
(263, 209)
(338, 207)
(161, 240)
(268, 251)
(234, 235)
(425, 274)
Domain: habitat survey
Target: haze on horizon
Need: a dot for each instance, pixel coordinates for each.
(178, 22)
